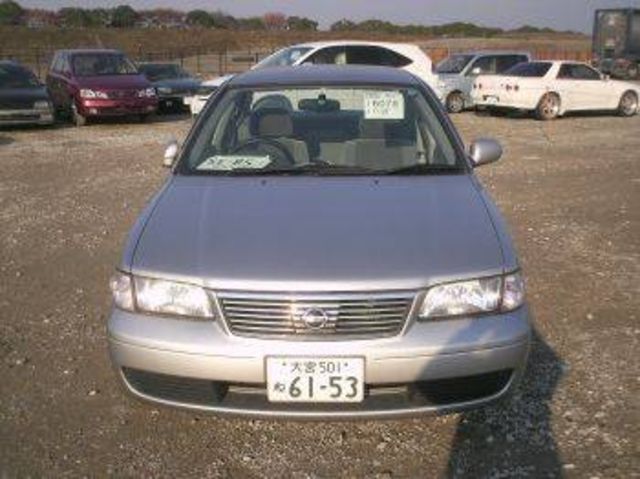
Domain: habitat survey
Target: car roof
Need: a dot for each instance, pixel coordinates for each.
(89, 50)
(324, 75)
(493, 52)
(561, 62)
(337, 43)
(14, 64)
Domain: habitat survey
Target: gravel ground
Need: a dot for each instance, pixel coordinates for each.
(570, 190)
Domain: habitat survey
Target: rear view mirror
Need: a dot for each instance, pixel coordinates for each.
(170, 153)
(484, 150)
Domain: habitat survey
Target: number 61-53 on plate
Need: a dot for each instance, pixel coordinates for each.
(315, 379)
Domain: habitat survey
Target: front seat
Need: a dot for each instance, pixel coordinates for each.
(277, 124)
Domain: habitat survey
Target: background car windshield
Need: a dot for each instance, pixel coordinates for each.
(531, 69)
(12, 76)
(351, 129)
(162, 72)
(284, 58)
(454, 64)
(100, 64)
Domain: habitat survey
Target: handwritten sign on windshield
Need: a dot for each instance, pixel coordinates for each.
(234, 162)
(383, 105)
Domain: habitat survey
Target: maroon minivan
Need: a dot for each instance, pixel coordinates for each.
(86, 84)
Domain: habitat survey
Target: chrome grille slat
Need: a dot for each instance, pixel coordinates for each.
(356, 314)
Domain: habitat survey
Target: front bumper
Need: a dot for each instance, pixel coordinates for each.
(168, 361)
(118, 107)
(26, 117)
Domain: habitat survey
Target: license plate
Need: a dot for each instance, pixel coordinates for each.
(492, 100)
(315, 379)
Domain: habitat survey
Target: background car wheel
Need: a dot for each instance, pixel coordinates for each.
(628, 104)
(549, 107)
(632, 71)
(76, 117)
(455, 102)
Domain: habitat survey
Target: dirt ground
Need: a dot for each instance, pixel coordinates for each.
(570, 190)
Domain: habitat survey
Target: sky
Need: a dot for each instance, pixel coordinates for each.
(574, 15)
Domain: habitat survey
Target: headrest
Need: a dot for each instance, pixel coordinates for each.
(274, 122)
(274, 101)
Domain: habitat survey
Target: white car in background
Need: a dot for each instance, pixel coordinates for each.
(552, 88)
(457, 72)
(406, 56)
(197, 102)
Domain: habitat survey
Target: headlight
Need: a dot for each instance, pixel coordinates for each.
(42, 105)
(484, 295)
(160, 296)
(164, 90)
(147, 92)
(87, 93)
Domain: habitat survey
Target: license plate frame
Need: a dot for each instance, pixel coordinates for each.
(334, 379)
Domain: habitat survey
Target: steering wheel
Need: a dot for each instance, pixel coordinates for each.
(266, 146)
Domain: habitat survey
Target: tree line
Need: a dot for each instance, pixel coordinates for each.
(125, 16)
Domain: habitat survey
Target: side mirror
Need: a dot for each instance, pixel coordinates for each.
(170, 153)
(484, 150)
(475, 71)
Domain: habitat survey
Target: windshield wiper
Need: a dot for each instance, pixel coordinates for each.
(320, 169)
(422, 169)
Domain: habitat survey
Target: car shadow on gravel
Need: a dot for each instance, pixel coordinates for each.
(514, 437)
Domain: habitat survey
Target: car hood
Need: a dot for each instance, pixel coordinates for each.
(318, 233)
(114, 82)
(217, 81)
(178, 83)
(18, 98)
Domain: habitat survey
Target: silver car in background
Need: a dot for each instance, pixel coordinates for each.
(321, 249)
(457, 73)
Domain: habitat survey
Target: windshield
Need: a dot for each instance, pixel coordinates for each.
(101, 64)
(13, 76)
(283, 58)
(454, 64)
(321, 130)
(530, 69)
(162, 72)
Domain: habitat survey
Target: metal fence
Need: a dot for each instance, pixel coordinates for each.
(206, 63)
(196, 60)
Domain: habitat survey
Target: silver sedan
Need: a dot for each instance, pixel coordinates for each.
(321, 249)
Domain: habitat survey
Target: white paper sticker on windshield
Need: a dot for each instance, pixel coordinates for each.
(383, 105)
(234, 162)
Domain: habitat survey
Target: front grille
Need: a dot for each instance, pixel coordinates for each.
(119, 94)
(317, 315)
(19, 116)
(17, 103)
